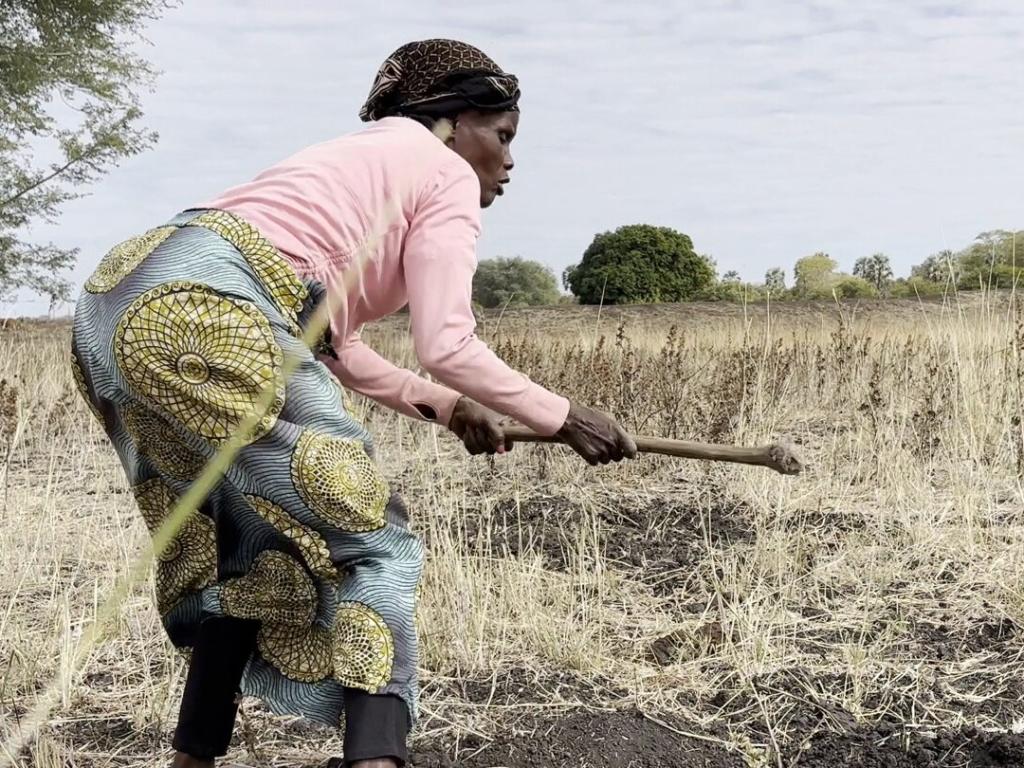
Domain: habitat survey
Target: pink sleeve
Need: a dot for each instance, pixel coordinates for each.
(439, 262)
(360, 368)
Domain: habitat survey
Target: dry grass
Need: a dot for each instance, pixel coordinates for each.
(883, 584)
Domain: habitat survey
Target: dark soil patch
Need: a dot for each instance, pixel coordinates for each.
(946, 643)
(99, 732)
(628, 739)
(660, 543)
(518, 686)
(1005, 695)
(543, 525)
(580, 739)
(803, 703)
(883, 748)
(989, 684)
(800, 704)
(833, 521)
(665, 542)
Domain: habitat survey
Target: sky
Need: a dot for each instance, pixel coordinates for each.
(766, 130)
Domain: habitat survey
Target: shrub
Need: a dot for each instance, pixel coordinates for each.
(639, 263)
(514, 282)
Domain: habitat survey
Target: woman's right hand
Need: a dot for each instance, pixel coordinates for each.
(595, 436)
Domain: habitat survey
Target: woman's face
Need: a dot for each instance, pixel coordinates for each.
(483, 140)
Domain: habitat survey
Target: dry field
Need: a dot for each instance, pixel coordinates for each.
(662, 613)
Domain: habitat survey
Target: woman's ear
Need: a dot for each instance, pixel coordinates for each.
(444, 129)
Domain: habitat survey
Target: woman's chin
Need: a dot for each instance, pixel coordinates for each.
(488, 196)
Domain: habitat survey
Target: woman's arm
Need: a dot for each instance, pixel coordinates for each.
(439, 261)
(360, 368)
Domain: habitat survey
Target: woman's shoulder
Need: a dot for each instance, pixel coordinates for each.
(391, 150)
(392, 138)
(413, 152)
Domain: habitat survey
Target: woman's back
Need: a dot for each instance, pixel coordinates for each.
(331, 199)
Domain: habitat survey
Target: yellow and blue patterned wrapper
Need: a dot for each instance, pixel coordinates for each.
(176, 335)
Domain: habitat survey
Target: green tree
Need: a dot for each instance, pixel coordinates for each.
(639, 263)
(853, 287)
(68, 91)
(514, 282)
(732, 276)
(937, 268)
(875, 269)
(815, 276)
(732, 290)
(775, 280)
(994, 260)
(991, 261)
(1000, 246)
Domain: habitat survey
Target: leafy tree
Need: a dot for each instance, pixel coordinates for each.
(994, 260)
(732, 276)
(775, 280)
(732, 290)
(875, 269)
(815, 276)
(75, 56)
(989, 261)
(937, 268)
(639, 263)
(567, 274)
(514, 282)
(999, 246)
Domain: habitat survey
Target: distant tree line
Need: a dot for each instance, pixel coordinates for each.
(995, 260)
(640, 263)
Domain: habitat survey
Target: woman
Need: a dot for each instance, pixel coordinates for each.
(296, 579)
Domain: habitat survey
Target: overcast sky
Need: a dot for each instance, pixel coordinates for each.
(766, 130)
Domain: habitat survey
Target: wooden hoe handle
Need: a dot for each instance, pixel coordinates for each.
(777, 456)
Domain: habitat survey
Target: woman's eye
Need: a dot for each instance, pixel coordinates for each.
(505, 137)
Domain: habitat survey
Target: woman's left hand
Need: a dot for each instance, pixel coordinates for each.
(479, 428)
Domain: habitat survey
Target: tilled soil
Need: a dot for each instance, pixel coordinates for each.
(882, 748)
(628, 739)
(609, 738)
(517, 686)
(549, 718)
(580, 739)
(659, 543)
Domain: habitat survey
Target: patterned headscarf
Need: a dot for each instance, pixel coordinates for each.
(439, 78)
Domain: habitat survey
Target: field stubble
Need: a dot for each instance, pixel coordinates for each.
(659, 613)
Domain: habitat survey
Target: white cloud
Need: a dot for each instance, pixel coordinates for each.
(764, 130)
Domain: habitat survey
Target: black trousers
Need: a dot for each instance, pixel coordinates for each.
(375, 726)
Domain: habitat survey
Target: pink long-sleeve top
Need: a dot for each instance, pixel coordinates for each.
(385, 217)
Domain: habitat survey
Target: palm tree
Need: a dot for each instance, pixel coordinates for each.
(875, 269)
